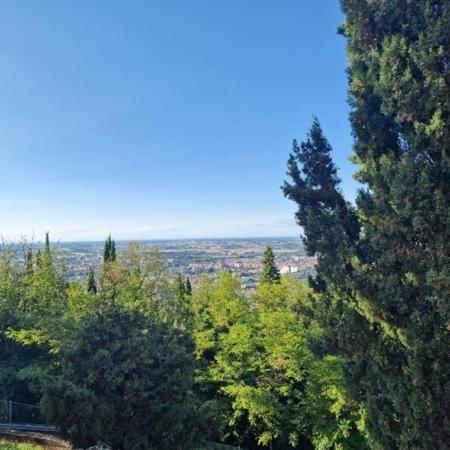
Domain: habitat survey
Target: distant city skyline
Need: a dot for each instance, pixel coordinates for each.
(163, 120)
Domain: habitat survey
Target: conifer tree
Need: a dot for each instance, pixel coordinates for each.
(188, 287)
(270, 273)
(91, 284)
(47, 253)
(113, 250)
(109, 252)
(383, 266)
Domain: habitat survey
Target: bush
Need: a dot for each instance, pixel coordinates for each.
(126, 382)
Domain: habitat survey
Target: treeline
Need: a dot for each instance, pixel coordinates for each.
(137, 359)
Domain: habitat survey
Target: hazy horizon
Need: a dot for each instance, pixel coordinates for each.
(41, 240)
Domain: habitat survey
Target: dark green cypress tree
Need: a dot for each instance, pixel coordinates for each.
(113, 251)
(91, 283)
(383, 268)
(109, 252)
(329, 223)
(400, 94)
(188, 287)
(47, 253)
(270, 272)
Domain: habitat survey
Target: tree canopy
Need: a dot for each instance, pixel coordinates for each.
(383, 265)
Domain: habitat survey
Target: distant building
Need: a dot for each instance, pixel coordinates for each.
(289, 269)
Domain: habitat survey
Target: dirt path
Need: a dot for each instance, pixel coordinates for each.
(47, 441)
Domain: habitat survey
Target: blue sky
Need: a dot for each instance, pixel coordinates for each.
(163, 119)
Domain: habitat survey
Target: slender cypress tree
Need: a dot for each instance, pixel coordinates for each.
(91, 284)
(113, 250)
(188, 287)
(109, 252)
(270, 272)
(47, 254)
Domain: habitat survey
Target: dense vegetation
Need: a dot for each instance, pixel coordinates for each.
(139, 360)
(383, 270)
(7, 445)
(359, 358)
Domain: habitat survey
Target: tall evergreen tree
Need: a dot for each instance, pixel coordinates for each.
(47, 253)
(113, 250)
(91, 284)
(109, 252)
(188, 287)
(107, 249)
(270, 272)
(383, 267)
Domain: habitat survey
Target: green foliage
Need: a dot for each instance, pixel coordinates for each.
(383, 270)
(109, 252)
(130, 380)
(31, 306)
(255, 357)
(29, 262)
(188, 287)
(10, 445)
(91, 283)
(125, 355)
(180, 288)
(270, 272)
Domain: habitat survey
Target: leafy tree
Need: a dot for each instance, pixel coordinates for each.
(270, 272)
(384, 266)
(32, 304)
(91, 283)
(14, 357)
(131, 381)
(255, 359)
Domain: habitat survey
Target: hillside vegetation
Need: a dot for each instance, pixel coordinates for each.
(357, 358)
(8, 445)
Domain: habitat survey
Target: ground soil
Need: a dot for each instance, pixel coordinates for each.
(49, 442)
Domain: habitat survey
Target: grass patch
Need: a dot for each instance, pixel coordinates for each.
(9, 445)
